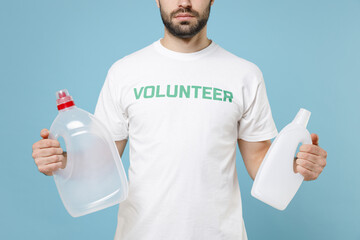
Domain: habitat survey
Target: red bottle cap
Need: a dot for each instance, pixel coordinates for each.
(63, 99)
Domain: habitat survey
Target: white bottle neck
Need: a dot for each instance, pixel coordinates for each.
(302, 117)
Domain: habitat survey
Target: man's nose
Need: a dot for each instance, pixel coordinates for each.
(184, 3)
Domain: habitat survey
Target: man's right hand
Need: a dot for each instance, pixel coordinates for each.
(48, 154)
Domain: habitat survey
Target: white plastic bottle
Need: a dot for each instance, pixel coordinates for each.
(276, 183)
(94, 177)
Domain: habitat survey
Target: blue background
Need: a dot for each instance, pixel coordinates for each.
(309, 53)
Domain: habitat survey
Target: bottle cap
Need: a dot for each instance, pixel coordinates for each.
(302, 117)
(63, 99)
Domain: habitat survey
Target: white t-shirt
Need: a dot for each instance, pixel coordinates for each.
(183, 114)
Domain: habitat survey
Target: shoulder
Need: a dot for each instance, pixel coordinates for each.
(131, 62)
(246, 70)
(237, 61)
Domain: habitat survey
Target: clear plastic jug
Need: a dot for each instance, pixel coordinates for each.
(94, 177)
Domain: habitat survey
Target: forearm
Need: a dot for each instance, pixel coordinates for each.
(253, 168)
(253, 154)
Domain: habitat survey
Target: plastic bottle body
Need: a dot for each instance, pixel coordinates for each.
(94, 177)
(276, 183)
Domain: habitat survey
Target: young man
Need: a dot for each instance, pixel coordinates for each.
(184, 102)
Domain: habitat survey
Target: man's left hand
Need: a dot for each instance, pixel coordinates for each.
(311, 159)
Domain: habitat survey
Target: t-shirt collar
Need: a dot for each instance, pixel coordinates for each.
(184, 56)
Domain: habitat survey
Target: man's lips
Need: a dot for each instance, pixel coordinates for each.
(184, 16)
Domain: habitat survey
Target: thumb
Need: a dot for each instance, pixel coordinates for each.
(315, 139)
(44, 133)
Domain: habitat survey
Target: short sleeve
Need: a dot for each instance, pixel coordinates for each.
(257, 123)
(109, 111)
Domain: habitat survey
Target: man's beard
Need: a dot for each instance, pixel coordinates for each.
(185, 29)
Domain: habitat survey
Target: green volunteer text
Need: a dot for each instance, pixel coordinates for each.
(181, 91)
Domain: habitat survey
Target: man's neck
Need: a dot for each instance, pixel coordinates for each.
(186, 45)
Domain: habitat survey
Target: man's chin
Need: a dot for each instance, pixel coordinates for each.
(185, 36)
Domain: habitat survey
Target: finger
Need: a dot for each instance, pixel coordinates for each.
(315, 139)
(314, 149)
(309, 165)
(47, 152)
(50, 168)
(42, 161)
(44, 133)
(47, 143)
(311, 157)
(308, 175)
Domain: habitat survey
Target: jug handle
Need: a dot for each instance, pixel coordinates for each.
(66, 172)
(305, 139)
